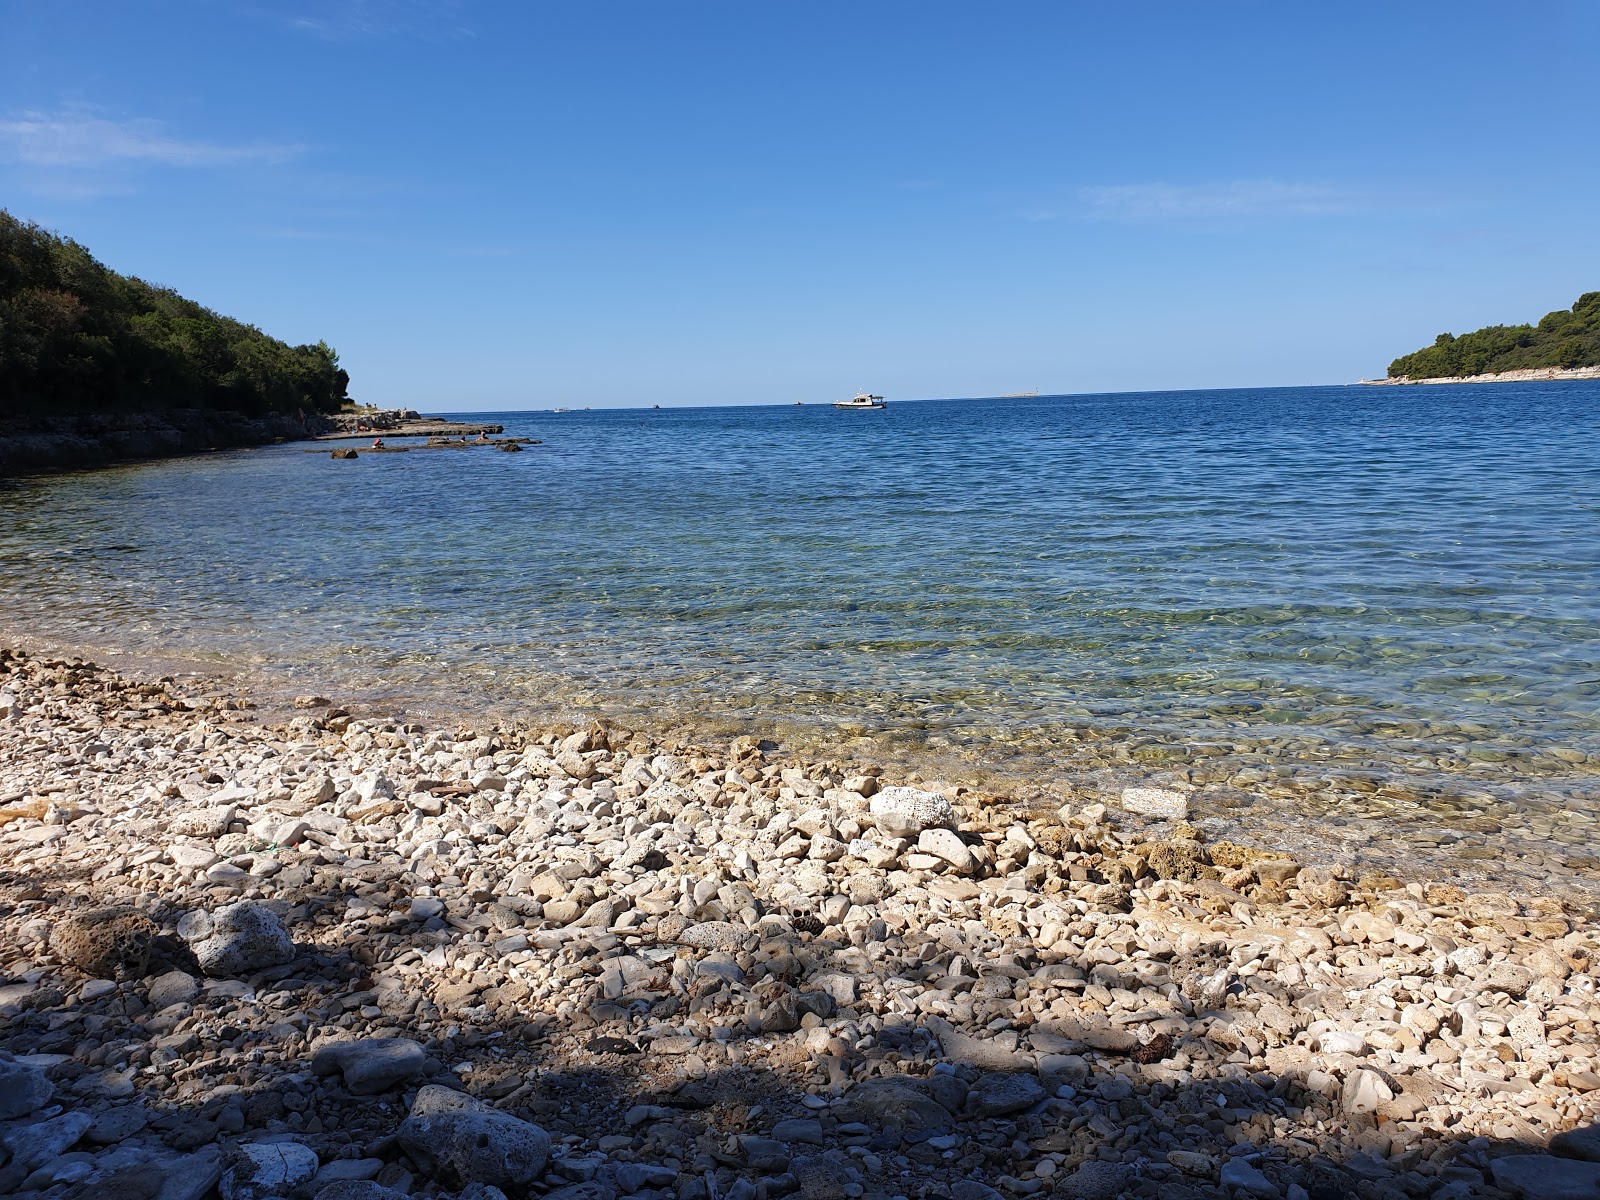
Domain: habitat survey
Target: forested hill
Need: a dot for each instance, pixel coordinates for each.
(77, 337)
(1564, 338)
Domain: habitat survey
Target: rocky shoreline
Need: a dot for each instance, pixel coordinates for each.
(351, 958)
(1527, 375)
(79, 440)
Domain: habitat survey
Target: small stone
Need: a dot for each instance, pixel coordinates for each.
(1191, 1163)
(118, 1124)
(905, 812)
(175, 987)
(800, 1129)
(1364, 1091)
(36, 1144)
(1002, 1092)
(717, 935)
(1095, 1180)
(633, 1176)
(357, 1189)
(1156, 802)
(1240, 1175)
(425, 908)
(947, 845)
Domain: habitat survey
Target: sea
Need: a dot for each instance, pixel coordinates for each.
(1358, 623)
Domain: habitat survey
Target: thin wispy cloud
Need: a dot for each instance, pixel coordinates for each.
(430, 20)
(83, 139)
(1240, 198)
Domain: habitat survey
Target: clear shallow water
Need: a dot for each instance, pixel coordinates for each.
(1345, 611)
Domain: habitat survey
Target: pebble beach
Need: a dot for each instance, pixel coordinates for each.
(317, 953)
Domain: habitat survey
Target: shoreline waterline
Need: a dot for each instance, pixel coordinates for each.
(1392, 841)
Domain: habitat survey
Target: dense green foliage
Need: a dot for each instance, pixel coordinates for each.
(1564, 338)
(76, 336)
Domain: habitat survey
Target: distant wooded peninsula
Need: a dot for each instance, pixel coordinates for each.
(1566, 338)
(77, 337)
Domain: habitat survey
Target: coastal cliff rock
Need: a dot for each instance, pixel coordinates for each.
(30, 445)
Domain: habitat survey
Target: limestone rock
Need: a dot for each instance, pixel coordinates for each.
(257, 1170)
(244, 937)
(1156, 802)
(175, 987)
(899, 1104)
(458, 1141)
(717, 935)
(371, 1065)
(357, 1189)
(23, 1089)
(106, 943)
(906, 811)
(1582, 1142)
(1546, 1177)
(999, 1093)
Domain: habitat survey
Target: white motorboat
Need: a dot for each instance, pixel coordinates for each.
(860, 400)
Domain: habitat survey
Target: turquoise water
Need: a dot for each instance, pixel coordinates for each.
(1336, 606)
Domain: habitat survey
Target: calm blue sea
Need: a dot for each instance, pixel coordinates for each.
(1355, 608)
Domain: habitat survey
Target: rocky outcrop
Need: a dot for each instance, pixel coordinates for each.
(70, 442)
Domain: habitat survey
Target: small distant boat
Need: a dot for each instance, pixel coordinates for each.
(861, 400)
(1018, 395)
(560, 410)
(655, 406)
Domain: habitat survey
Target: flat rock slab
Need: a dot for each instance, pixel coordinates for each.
(1583, 1142)
(1001, 1092)
(258, 1170)
(371, 1065)
(22, 1089)
(459, 1140)
(1547, 1177)
(1156, 802)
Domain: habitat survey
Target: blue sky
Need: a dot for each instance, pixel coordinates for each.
(525, 205)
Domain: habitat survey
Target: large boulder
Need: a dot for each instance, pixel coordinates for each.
(458, 1140)
(243, 937)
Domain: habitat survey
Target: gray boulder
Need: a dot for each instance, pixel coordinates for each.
(1546, 1177)
(1001, 1092)
(371, 1065)
(22, 1089)
(458, 1140)
(36, 1144)
(257, 1170)
(244, 937)
(898, 1104)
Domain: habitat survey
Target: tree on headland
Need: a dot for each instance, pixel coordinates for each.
(76, 336)
(1564, 338)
